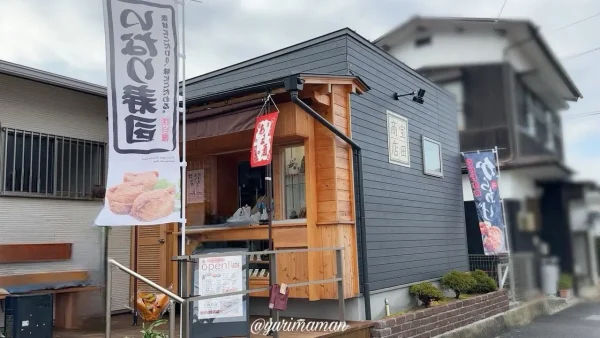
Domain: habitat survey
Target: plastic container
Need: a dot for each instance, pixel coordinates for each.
(550, 275)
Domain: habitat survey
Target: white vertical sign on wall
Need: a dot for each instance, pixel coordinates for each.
(143, 182)
(398, 142)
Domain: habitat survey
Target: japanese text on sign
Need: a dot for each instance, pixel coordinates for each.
(143, 65)
(398, 144)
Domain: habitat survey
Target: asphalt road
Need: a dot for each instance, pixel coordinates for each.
(582, 320)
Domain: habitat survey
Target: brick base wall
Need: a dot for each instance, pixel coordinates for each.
(437, 320)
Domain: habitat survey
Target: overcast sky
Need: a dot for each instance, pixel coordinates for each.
(67, 37)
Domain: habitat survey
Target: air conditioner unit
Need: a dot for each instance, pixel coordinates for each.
(28, 316)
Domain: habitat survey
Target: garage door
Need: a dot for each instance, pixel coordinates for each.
(119, 249)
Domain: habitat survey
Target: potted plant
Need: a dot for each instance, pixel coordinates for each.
(565, 283)
(150, 333)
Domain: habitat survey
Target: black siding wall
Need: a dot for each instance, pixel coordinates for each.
(415, 223)
(325, 57)
(556, 230)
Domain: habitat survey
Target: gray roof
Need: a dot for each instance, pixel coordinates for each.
(37, 75)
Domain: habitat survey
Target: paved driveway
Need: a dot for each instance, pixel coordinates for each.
(582, 320)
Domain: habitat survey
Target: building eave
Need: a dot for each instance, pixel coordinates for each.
(555, 63)
(37, 75)
(278, 85)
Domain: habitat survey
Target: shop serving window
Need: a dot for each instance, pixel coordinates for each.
(37, 164)
(294, 186)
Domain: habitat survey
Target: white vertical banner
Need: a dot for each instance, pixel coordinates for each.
(143, 181)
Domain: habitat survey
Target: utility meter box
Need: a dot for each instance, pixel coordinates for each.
(28, 316)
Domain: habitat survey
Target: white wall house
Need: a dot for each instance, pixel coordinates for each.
(510, 89)
(53, 135)
(447, 45)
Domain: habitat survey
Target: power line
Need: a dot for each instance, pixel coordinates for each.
(575, 23)
(591, 113)
(580, 54)
(502, 9)
(532, 39)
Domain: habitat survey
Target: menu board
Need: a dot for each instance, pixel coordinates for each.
(217, 275)
(195, 186)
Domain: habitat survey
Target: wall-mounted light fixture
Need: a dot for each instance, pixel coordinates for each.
(417, 96)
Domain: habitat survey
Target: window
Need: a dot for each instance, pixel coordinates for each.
(530, 115)
(48, 165)
(294, 191)
(423, 41)
(432, 157)
(456, 88)
(550, 132)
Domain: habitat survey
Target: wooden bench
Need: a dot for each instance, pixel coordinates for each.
(65, 292)
(66, 286)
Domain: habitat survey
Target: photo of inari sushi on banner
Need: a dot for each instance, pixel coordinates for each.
(493, 237)
(143, 196)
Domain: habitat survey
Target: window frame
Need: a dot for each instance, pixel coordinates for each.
(54, 191)
(439, 174)
(461, 116)
(550, 141)
(282, 198)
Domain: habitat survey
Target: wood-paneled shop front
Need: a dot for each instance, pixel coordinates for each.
(312, 188)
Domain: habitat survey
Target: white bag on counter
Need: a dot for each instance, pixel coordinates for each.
(241, 215)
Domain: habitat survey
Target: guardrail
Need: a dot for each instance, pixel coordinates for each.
(185, 299)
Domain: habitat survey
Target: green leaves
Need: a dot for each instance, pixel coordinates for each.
(163, 184)
(150, 333)
(458, 281)
(426, 292)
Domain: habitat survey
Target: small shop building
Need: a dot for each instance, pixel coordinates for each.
(359, 161)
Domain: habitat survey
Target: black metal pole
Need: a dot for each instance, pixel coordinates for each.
(135, 282)
(107, 291)
(272, 274)
(363, 235)
(268, 185)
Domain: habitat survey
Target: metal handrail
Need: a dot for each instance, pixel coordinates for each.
(147, 281)
(172, 297)
(250, 253)
(186, 298)
(254, 290)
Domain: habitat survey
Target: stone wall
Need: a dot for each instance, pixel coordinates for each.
(439, 319)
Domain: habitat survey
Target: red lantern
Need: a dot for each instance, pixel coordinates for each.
(262, 144)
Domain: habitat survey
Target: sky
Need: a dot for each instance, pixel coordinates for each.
(67, 37)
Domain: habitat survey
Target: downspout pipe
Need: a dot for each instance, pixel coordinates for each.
(294, 83)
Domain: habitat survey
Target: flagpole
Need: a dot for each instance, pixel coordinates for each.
(184, 131)
(506, 230)
(183, 166)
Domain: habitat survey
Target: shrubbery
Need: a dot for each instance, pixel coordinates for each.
(565, 282)
(459, 282)
(426, 293)
(483, 282)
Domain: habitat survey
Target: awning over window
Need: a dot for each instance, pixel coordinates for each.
(215, 122)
